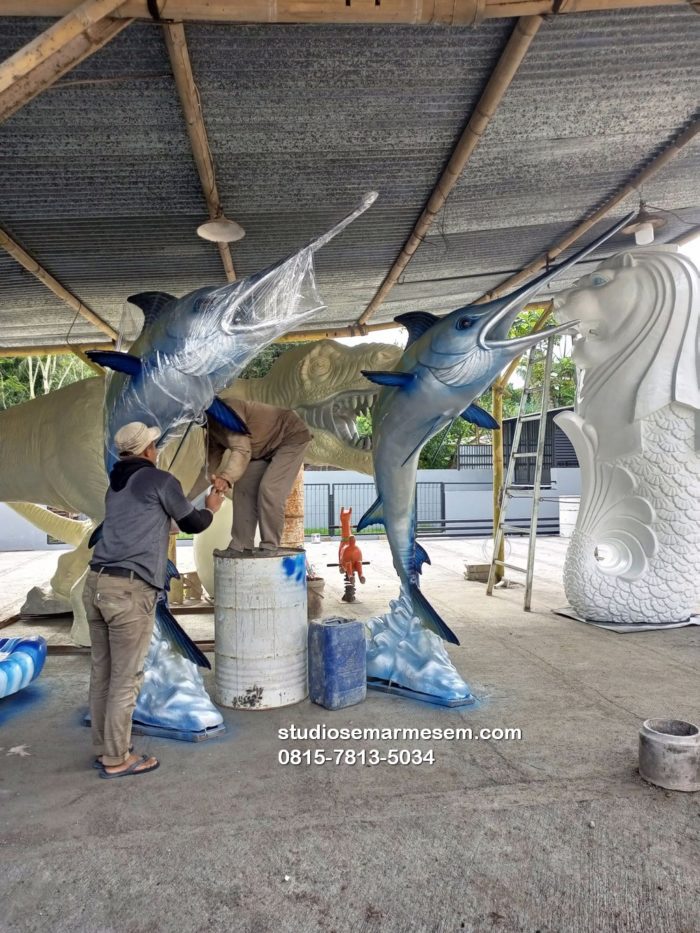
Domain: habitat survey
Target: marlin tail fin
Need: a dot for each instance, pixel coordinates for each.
(429, 617)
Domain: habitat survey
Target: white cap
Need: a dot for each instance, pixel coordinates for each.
(135, 437)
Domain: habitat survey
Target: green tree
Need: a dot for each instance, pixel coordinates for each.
(262, 363)
(24, 378)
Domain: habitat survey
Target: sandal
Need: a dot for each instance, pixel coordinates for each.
(131, 770)
(97, 764)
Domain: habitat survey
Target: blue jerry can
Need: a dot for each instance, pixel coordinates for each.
(337, 662)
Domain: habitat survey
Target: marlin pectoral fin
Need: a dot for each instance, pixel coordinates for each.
(421, 557)
(226, 416)
(373, 516)
(416, 323)
(114, 359)
(401, 380)
(478, 416)
(96, 535)
(178, 637)
(429, 617)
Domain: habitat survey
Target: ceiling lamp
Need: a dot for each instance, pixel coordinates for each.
(644, 226)
(221, 230)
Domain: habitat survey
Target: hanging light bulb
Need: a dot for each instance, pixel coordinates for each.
(644, 234)
(221, 230)
(644, 226)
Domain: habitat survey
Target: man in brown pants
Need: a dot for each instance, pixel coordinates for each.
(261, 467)
(127, 572)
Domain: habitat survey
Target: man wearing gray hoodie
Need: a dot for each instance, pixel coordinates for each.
(127, 572)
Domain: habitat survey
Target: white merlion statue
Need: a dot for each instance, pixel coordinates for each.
(634, 556)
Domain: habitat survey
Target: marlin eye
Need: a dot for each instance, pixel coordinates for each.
(464, 323)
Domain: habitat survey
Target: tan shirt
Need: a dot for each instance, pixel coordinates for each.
(270, 428)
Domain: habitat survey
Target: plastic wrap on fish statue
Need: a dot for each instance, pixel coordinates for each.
(21, 661)
(190, 348)
(448, 362)
(634, 556)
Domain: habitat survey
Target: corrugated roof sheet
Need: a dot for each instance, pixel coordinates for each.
(97, 179)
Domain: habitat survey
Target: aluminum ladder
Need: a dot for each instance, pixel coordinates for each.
(509, 487)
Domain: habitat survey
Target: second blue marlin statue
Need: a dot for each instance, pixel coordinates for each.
(193, 347)
(448, 363)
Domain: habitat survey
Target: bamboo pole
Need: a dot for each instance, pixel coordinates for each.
(44, 60)
(686, 237)
(501, 78)
(176, 44)
(425, 13)
(31, 265)
(54, 349)
(497, 391)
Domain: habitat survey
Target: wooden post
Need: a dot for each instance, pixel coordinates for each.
(497, 456)
(293, 533)
(176, 594)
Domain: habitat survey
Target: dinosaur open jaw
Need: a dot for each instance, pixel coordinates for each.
(338, 416)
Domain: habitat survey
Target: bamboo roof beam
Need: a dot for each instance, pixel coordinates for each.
(176, 44)
(500, 80)
(416, 12)
(31, 265)
(57, 50)
(669, 153)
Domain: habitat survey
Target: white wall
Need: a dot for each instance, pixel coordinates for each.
(17, 534)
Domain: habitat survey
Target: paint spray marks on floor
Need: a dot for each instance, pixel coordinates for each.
(33, 696)
(19, 750)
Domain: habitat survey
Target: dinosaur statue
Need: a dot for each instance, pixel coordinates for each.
(321, 380)
(634, 556)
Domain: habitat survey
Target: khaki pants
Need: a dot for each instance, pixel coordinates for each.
(121, 614)
(259, 497)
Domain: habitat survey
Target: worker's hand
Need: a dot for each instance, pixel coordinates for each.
(220, 484)
(213, 501)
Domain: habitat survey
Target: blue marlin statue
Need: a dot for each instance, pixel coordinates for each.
(448, 362)
(189, 349)
(192, 347)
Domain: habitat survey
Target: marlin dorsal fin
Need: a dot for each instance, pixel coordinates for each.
(151, 303)
(416, 323)
(373, 516)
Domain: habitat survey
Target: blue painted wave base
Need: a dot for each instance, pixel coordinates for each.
(401, 650)
(21, 662)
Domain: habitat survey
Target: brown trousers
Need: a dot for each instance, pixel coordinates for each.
(259, 497)
(121, 613)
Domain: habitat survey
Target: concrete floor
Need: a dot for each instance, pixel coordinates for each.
(555, 832)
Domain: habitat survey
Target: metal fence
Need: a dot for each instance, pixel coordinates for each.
(323, 502)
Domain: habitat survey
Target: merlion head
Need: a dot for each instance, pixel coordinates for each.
(637, 345)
